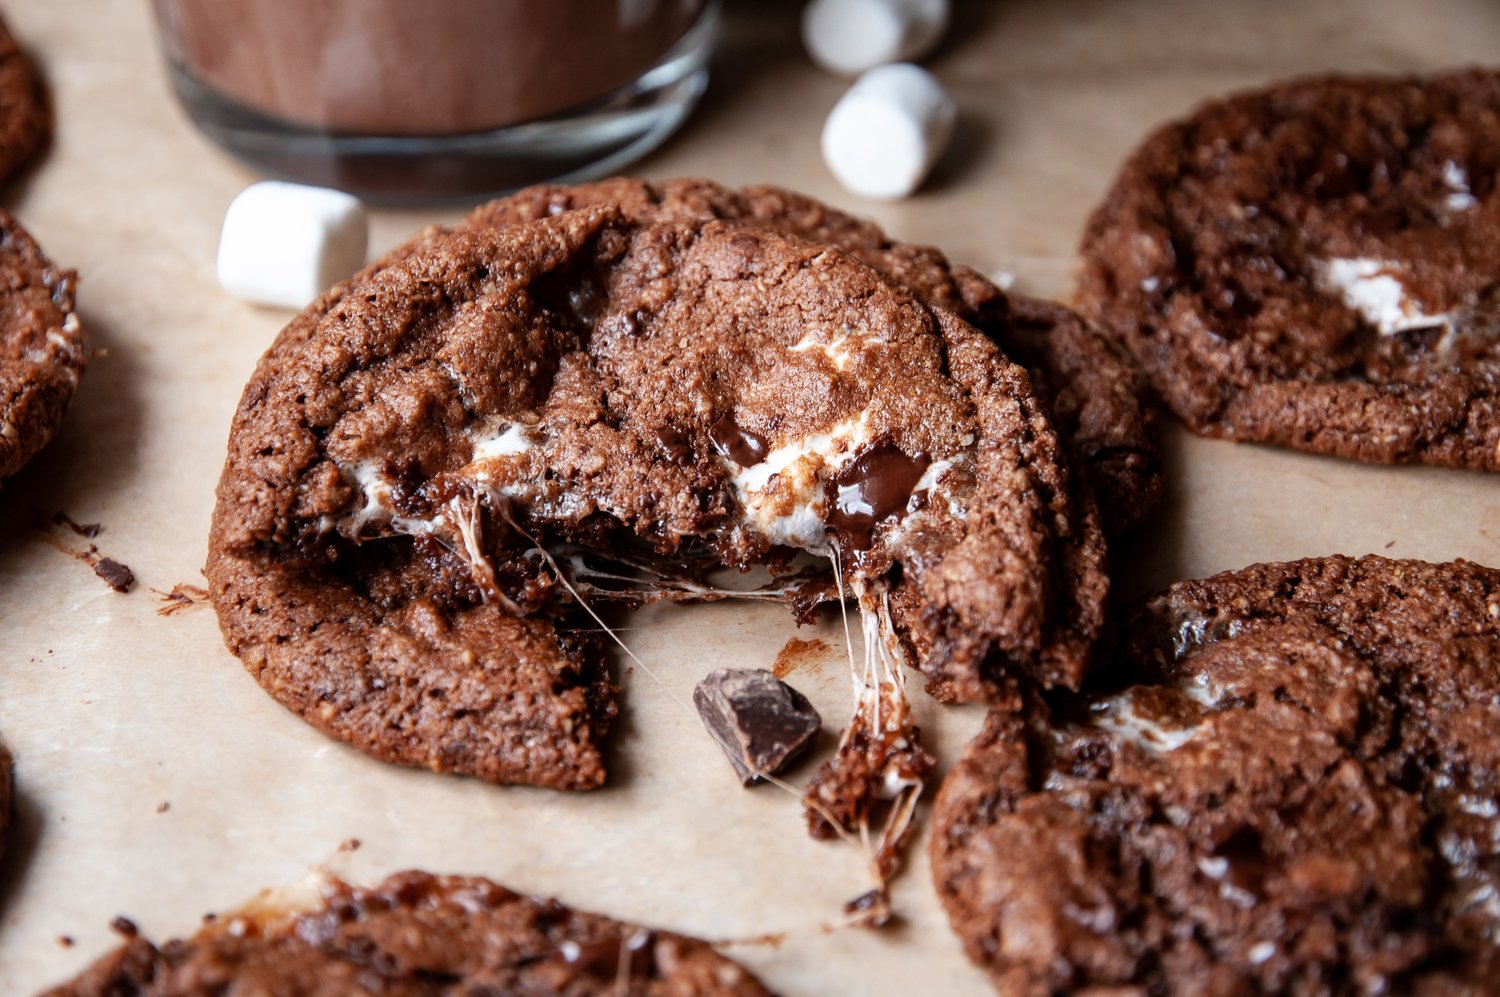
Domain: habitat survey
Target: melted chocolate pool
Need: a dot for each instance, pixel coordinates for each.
(675, 443)
(870, 489)
(742, 446)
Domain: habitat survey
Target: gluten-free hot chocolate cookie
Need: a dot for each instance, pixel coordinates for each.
(24, 119)
(1093, 392)
(1313, 266)
(42, 348)
(1293, 786)
(413, 935)
(412, 467)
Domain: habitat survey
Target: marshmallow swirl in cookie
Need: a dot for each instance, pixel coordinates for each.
(1313, 265)
(416, 452)
(1287, 783)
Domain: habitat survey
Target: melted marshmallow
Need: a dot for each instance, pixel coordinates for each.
(376, 489)
(1371, 288)
(783, 495)
(1460, 198)
(836, 349)
(488, 444)
(1119, 716)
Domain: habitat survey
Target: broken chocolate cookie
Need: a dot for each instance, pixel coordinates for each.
(413, 935)
(404, 462)
(1287, 783)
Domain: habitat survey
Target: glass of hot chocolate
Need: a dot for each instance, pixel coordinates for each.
(403, 100)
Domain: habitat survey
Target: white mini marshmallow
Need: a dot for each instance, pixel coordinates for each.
(848, 37)
(285, 243)
(884, 134)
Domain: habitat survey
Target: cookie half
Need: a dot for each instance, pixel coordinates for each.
(1093, 392)
(406, 468)
(413, 934)
(42, 346)
(1312, 265)
(1292, 788)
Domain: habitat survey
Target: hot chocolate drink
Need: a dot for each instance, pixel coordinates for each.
(397, 99)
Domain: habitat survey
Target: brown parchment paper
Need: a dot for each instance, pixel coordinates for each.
(156, 780)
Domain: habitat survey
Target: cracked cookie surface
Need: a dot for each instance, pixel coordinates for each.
(1093, 392)
(1312, 265)
(1287, 782)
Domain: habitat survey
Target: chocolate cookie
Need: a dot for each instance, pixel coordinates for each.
(42, 346)
(1093, 392)
(409, 469)
(1312, 266)
(414, 934)
(1292, 788)
(24, 119)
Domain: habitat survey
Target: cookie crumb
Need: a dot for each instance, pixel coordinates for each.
(183, 596)
(350, 845)
(66, 941)
(89, 530)
(124, 926)
(871, 909)
(116, 575)
(163, 807)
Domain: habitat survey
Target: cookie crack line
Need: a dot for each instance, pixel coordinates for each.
(490, 400)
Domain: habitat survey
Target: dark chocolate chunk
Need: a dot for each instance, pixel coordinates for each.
(873, 487)
(740, 445)
(116, 575)
(762, 723)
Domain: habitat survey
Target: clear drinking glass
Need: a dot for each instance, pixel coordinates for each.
(437, 99)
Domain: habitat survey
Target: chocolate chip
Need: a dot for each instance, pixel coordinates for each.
(762, 723)
(116, 575)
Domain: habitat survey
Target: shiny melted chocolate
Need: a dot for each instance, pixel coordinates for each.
(744, 447)
(676, 444)
(872, 488)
